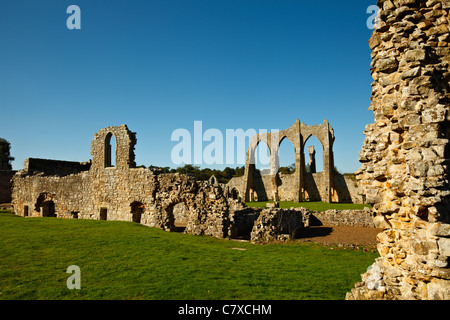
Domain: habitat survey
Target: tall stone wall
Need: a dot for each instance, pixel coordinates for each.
(405, 155)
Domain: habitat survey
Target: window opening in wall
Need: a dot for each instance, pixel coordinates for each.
(262, 158)
(74, 215)
(235, 194)
(25, 211)
(313, 155)
(103, 214)
(286, 157)
(110, 150)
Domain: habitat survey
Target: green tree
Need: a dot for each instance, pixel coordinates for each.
(5, 155)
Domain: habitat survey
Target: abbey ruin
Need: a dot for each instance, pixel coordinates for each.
(327, 186)
(110, 187)
(404, 171)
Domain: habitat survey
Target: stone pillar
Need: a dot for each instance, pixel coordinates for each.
(299, 164)
(312, 159)
(405, 154)
(327, 164)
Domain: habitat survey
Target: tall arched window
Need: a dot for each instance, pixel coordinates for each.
(316, 155)
(286, 157)
(262, 157)
(110, 150)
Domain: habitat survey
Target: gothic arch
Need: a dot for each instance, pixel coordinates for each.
(298, 133)
(109, 154)
(125, 140)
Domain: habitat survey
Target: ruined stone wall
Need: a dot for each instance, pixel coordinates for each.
(405, 155)
(122, 192)
(277, 224)
(54, 167)
(345, 187)
(350, 218)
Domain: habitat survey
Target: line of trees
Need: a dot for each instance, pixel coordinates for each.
(5, 155)
(223, 176)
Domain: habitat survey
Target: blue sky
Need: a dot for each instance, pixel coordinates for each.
(160, 65)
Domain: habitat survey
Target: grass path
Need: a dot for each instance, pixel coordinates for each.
(124, 260)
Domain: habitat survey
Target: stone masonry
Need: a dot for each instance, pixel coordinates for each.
(405, 156)
(98, 190)
(327, 186)
(117, 190)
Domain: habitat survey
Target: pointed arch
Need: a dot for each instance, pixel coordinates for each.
(312, 140)
(286, 156)
(110, 150)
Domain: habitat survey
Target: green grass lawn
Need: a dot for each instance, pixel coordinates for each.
(124, 260)
(312, 205)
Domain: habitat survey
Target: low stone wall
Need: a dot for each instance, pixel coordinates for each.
(275, 224)
(350, 218)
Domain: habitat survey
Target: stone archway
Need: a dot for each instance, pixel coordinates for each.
(45, 205)
(298, 133)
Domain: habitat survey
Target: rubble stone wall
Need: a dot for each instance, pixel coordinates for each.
(277, 224)
(349, 218)
(113, 192)
(405, 156)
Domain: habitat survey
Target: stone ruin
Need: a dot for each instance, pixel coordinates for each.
(404, 172)
(110, 187)
(405, 156)
(328, 185)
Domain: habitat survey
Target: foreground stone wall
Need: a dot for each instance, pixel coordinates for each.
(405, 155)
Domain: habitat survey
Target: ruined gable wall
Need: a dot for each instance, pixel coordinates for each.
(406, 151)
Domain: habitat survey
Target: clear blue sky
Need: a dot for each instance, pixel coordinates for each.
(160, 65)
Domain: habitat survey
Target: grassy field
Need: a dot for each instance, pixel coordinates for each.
(312, 205)
(124, 260)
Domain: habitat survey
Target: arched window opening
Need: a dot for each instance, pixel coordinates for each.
(110, 150)
(262, 158)
(313, 152)
(235, 194)
(286, 157)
